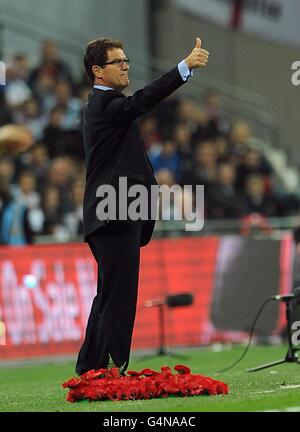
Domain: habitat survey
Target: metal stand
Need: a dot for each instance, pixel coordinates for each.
(163, 350)
(292, 355)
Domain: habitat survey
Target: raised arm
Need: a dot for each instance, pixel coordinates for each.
(118, 108)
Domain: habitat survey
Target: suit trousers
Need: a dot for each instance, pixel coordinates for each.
(116, 248)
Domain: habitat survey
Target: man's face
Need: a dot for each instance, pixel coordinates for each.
(114, 75)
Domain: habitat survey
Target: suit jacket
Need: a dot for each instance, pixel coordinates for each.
(113, 143)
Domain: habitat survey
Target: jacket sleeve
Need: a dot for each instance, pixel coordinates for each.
(117, 108)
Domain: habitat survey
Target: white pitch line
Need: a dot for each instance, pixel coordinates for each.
(282, 387)
(288, 409)
(290, 386)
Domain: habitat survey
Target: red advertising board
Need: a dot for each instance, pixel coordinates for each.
(46, 293)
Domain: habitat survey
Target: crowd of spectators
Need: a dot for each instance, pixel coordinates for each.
(42, 171)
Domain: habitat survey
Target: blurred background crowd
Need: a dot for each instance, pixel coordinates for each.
(42, 170)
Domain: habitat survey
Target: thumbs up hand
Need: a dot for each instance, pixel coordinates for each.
(198, 43)
(198, 57)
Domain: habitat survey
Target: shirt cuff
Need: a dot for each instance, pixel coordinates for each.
(184, 71)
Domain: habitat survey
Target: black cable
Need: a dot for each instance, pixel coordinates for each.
(250, 339)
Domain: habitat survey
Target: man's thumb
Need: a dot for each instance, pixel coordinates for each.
(198, 43)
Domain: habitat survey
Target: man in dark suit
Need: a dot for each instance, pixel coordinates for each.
(114, 148)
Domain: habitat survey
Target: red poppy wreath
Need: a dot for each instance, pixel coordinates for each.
(103, 384)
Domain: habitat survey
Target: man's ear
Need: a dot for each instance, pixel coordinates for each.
(97, 71)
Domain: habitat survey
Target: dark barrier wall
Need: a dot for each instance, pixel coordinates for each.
(247, 272)
(229, 278)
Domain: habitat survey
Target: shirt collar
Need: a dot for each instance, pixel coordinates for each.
(101, 87)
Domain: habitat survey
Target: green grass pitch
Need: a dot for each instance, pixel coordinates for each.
(37, 387)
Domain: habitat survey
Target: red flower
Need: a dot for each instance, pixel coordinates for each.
(101, 372)
(148, 372)
(91, 374)
(134, 373)
(106, 384)
(170, 386)
(166, 370)
(182, 369)
(71, 383)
